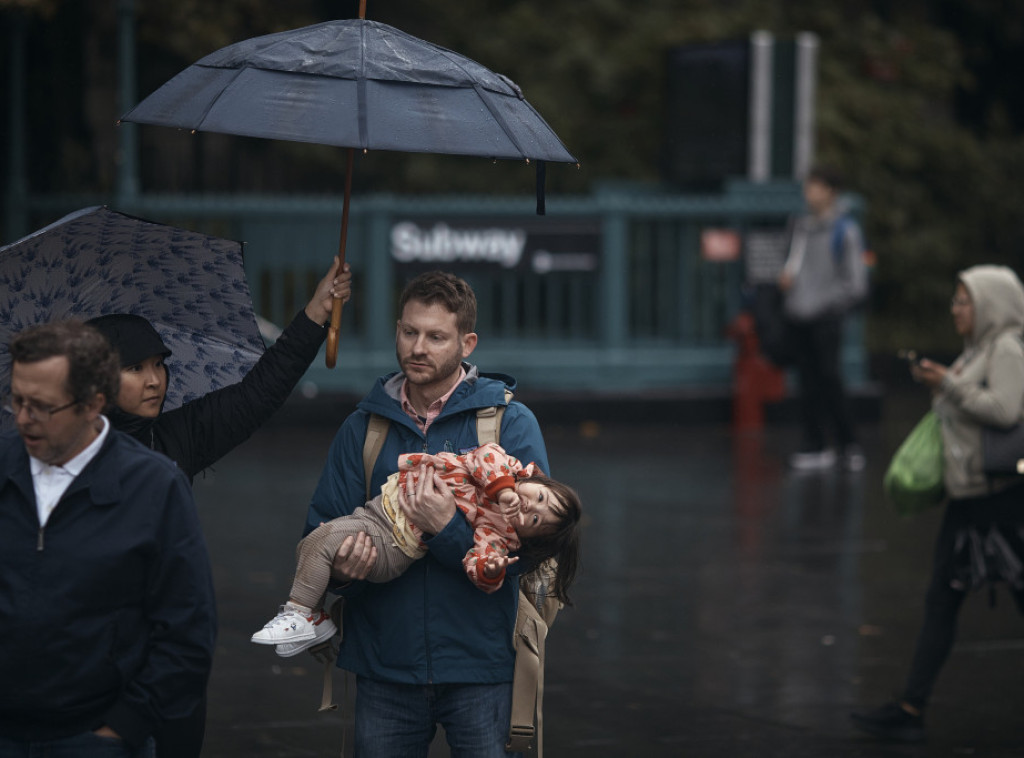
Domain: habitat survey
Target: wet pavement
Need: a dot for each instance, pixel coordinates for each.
(726, 608)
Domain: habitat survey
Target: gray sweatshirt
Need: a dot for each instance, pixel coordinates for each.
(985, 384)
(827, 280)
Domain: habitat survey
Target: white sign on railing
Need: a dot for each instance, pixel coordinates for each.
(559, 246)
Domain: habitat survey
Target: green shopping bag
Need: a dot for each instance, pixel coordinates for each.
(913, 481)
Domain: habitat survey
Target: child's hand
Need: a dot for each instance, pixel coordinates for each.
(508, 499)
(496, 564)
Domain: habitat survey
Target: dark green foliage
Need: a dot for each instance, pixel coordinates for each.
(918, 104)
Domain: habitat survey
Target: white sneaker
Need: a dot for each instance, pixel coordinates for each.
(854, 458)
(813, 460)
(291, 627)
(323, 629)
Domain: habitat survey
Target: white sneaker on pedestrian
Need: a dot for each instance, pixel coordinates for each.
(295, 629)
(813, 460)
(854, 458)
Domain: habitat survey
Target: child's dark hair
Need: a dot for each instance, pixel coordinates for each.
(562, 544)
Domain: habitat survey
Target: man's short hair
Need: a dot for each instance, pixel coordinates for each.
(448, 290)
(93, 367)
(830, 176)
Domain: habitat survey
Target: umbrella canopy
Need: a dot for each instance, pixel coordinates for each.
(359, 84)
(96, 261)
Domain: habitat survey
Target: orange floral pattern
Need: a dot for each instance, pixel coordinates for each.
(476, 479)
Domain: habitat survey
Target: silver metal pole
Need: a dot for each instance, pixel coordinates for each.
(759, 138)
(804, 106)
(15, 221)
(127, 142)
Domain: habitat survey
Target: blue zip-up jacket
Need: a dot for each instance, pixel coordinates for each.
(431, 625)
(106, 613)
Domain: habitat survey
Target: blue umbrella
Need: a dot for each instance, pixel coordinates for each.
(96, 261)
(354, 83)
(357, 84)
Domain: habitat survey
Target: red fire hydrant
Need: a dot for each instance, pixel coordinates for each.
(755, 380)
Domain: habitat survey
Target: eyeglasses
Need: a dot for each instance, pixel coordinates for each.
(35, 412)
(960, 302)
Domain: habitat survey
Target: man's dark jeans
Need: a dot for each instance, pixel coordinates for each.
(399, 720)
(817, 346)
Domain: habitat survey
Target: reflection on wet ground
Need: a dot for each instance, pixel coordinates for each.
(727, 607)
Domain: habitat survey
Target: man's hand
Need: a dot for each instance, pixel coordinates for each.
(354, 558)
(495, 564)
(337, 284)
(426, 500)
(508, 499)
(106, 731)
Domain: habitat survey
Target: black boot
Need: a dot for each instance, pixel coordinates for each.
(891, 722)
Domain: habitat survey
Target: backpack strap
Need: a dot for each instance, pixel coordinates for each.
(527, 680)
(838, 242)
(376, 433)
(534, 617)
(488, 421)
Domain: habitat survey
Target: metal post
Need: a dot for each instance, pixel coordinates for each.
(759, 139)
(380, 302)
(127, 134)
(614, 278)
(15, 222)
(803, 116)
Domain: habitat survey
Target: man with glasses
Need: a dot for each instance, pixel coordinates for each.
(107, 618)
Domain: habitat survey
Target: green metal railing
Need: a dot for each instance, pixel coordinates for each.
(648, 312)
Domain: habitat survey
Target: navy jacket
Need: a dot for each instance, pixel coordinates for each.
(431, 625)
(107, 613)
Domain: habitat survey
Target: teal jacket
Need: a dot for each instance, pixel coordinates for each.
(431, 625)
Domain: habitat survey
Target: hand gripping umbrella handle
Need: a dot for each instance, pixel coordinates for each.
(334, 330)
(333, 334)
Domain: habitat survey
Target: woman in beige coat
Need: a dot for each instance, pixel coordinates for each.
(980, 541)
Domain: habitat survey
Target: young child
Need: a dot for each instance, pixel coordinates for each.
(512, 509)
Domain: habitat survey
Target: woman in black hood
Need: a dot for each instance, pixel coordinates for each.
(202, 431)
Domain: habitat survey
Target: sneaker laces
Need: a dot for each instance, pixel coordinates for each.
(285, 617)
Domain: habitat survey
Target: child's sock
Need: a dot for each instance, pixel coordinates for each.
(299, 608)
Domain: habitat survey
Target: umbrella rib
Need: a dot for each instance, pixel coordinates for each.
(499, 120)
(479, 93)
(215, 100)
(364, 141)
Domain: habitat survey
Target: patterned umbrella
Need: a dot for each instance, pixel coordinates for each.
(96, 261)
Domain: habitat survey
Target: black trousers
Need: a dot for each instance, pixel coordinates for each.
(943, 601)
(183, 738)
(823, 403)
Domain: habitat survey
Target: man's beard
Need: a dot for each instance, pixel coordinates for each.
(439, 374)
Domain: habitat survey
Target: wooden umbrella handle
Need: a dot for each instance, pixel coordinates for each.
(333, 335)
(334, 330)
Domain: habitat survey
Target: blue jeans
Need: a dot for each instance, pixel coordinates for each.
(85, 745)
(400, 720)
